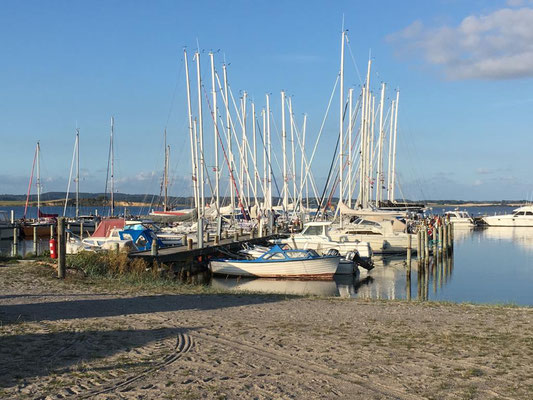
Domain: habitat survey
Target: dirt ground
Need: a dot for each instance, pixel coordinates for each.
(60, 340)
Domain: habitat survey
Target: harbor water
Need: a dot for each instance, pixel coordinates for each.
(488, 265)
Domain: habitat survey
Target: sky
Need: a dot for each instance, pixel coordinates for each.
(464, 70)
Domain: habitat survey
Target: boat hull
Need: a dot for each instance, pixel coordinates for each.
(505, 220)
(318, 268)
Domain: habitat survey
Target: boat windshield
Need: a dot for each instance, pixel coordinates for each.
(314, 230)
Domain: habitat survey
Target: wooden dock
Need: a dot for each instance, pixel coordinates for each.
(183, 253)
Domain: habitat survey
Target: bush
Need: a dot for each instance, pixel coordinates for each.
(108, 264)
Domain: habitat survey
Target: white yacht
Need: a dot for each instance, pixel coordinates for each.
(522, 216)
(382, 236)
(6, 228)
(460, 218)
(315, 236)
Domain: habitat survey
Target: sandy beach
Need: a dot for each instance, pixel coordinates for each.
(64, 339)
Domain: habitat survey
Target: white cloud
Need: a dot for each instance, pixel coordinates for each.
(493, 46)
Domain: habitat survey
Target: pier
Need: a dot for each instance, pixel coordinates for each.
(187, 253)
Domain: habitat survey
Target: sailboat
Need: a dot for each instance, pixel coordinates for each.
(44, 220)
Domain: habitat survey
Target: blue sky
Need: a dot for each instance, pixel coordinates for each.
(464, 70)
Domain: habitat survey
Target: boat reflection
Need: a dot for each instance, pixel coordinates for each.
(341, 286)
(522, 236)
(390, 279)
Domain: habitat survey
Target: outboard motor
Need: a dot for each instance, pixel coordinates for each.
(333, 252)
(351, 255)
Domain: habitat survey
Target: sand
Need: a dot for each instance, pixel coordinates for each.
(59, 340)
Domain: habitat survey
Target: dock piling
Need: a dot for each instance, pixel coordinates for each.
(154, 249)
(61, 247)
(35, 250)
(189, 244)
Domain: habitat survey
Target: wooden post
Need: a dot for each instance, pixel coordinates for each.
(435, 241)
(252, 233)
(236, 236)
(184, 240)
(61, 248)
(440, 238)
(189, 244)
(226, 234)
(154, 249)
(445, 238)
(217, 240)
(15, 235)
(207, 237)
(426, 243)
(451, 235)
(419, 250)
(81, 229)
(116, 247)
(12, 217)
(240, 231)
(409, 253)
(35, 240)
(52, 227)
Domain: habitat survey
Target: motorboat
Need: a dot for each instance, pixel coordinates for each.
(279, 263)
(459, 218)
(381, 236)
(348, 265)
(522, 216)
(167, 237)
(6, 227)
(315, 236)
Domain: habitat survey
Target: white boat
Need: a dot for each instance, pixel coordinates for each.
(460, 218)
(280, 263)
(522, 216)
(315, 236)
(6, 228)
(380, 235)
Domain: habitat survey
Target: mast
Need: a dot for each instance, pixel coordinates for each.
(302, 165)
(379, 174)
(201, 135)
(243, 153)
(165, 176)
(191, 133)
(77, 172)
(269, 152)
(228, 132)
(254, 141)
(393, 177)
(341, 122)
(362, 149)
(112, 153)
(368, 105)
(265, 162)
(350, 129)
(284, 151)
(291, 119)
(215, 131)
(390, 150)
(38, 180)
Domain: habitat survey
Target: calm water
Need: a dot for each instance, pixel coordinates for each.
(490, 265)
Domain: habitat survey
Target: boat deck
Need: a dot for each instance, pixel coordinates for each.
(182, 253)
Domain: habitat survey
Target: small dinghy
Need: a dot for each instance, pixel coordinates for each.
(280, 263)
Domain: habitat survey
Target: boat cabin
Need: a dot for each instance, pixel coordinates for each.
(141, 237)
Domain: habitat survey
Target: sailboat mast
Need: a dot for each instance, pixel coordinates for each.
(38, 180)
(390, 150)
(379, 174)
(191, 133)
(77, 172)
(393, 177)
(215, 132)
(284, 150)
(200, 134)
(228, 132)
(112, 152)
(350, 129)
(341, 122)
(291, 119)
(254, 141)
(269, 152)
(165, 175)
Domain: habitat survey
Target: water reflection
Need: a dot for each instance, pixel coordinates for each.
(521, 236)
(341, 286)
